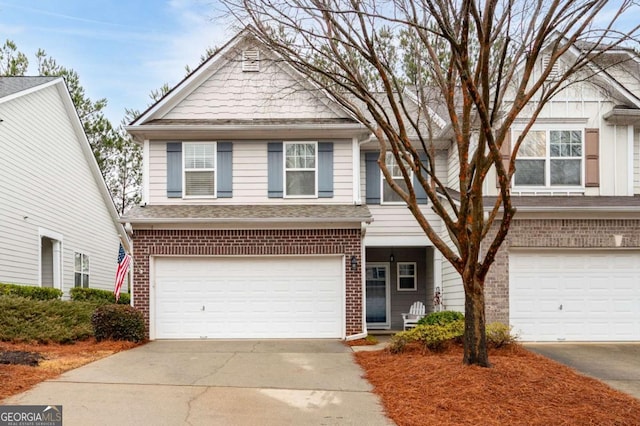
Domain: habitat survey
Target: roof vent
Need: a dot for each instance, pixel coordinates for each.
(556, 70)
(251, 60)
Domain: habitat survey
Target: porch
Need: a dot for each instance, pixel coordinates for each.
(396, 277)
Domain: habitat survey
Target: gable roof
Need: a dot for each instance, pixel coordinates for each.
(15, 87)
(163, 108)
(11, 85)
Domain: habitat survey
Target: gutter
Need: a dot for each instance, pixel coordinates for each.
(245, 220)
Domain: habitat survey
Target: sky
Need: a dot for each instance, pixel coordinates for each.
(122, 50)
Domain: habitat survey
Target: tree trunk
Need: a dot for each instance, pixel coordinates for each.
(475, 339)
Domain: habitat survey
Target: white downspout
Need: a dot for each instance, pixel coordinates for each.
(145, 171)
(630, 160)
(57, 264)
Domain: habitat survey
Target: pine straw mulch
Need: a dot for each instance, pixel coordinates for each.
(55, 359)
(523, 388)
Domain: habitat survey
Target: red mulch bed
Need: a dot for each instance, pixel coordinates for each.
(56, 359)
(423, 388)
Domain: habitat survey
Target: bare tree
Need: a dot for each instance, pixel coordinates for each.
(479, 61)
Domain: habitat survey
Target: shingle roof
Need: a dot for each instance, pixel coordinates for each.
(257, 122)
(249, 213)
(564, 202)
(11, 85)
(572, 202)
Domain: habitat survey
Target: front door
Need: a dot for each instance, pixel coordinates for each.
(377, 297)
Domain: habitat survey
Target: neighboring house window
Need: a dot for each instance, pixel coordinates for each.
(81, 270)
(407, 276)
(199, 169)
(549, 158)
(300, 169)
(388, 194)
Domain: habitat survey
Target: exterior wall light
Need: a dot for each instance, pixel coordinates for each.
(354, 263)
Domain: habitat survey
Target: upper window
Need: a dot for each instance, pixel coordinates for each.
(81, 270)
(549, 158)
(407, 276)
(388, 194)
(300, 169)
(199, 169)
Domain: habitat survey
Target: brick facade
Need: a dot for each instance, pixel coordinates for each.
(551, 233)
(158, 242)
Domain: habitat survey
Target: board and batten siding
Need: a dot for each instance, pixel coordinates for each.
(584, 109)
(250, 167)
(271, 92)
(46, 182)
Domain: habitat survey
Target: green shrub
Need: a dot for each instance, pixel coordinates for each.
(441, 318)
(30, 292)
(97, 295)
(433, 336)
(44, 321)
(499, 334)
(118, 322)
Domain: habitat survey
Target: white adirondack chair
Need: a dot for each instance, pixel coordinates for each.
(416, 312)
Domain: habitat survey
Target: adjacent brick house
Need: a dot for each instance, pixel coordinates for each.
(265, 214)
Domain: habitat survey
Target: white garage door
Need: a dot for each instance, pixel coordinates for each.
(575, 295)
(257, 297)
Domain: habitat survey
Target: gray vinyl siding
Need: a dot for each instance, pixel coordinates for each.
(250, 175)
(46, 182)
(452, 289)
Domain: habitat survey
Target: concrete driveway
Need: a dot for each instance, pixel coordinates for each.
(616, 364)
(301, 382)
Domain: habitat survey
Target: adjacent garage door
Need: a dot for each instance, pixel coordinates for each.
(575, 295)
(241, 297)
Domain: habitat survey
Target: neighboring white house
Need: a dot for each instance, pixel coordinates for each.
(58, 225)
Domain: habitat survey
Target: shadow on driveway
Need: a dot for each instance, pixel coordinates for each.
(616, 364)
(213, 382)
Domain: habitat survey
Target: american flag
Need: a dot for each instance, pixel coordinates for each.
(123, 266)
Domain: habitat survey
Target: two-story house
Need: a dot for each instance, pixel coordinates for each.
(265, 213)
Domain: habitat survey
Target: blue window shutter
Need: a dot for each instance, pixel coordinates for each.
(275, 169)
(421, 195)
(225, 169)
(325, 169)
(372, 177)
(174, 169)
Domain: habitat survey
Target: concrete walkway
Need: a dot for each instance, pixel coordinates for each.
(301, 382)
(616, 364)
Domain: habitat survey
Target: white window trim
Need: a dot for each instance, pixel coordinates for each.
(214, 170)
(58, 260)
(548, 188)
(415, 276)
(88, 274)
(383, 181)
(285, 169)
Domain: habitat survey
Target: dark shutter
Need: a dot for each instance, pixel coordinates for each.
(174, 169)
(275, 169)
(225, 169)
(421, 194)
(592, 157)
(372, 171)
(325, 169)
(505, 154)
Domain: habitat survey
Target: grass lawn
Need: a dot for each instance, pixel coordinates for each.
(423, 388)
